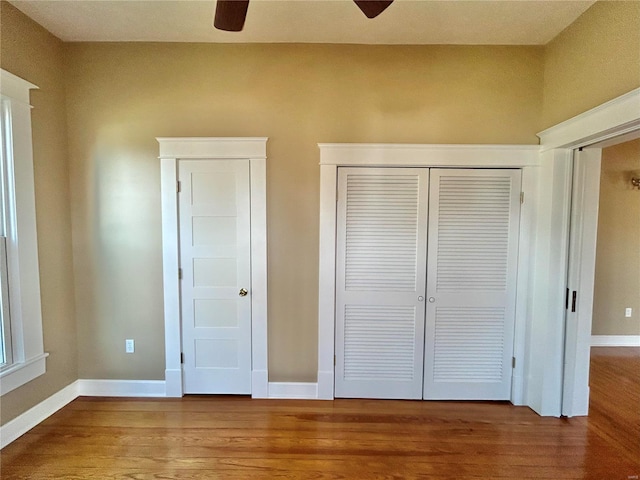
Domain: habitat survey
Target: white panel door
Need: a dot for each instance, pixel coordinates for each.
(215, 261)
(471, 277)
(380, 284)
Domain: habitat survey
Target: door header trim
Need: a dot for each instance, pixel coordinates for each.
(213, 147)
(424, 155)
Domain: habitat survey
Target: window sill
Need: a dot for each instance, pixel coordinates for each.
(16, 375)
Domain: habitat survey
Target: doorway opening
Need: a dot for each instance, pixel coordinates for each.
(200, 150)
(603, 274)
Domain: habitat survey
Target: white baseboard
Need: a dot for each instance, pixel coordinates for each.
(20, 425)
(121, 388)
(293, 390)
(615, 340)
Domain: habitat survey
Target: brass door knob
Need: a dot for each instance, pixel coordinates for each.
(243, 292)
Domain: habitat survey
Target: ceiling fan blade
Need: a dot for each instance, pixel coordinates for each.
(230, 15)
(373, 8)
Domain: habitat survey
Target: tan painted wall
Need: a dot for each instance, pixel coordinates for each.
(617, 283)
(595, 59)
(29, 51)
(121, 96)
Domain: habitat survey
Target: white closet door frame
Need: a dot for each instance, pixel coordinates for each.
(332, 156)
(253, 149)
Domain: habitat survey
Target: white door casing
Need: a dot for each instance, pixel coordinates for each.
(474, 218)
(252, 150)
(215, 253)
(581, 274)
(333, 156)
(565, 355)
(381, 261)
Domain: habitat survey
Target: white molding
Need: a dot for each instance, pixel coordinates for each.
(20, 373)
(526, 252)
(334, 155)
(547, 292)
(170, 279)
(549, 373)
(615, 340)
(173, 382)
(20, 425)
(327, 280)
(615, 117)
(326, 383)
(27, 346)
(581, 277)
(293, 390)
(259, 384)
(390, 154)
(15, 87)
(259, 333)
(211, 148)
(121, 388)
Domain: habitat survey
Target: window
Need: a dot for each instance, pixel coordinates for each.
(6, 355)
(22, 356)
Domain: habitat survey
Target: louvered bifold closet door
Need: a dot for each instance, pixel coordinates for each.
(380, 282)
(471, 279)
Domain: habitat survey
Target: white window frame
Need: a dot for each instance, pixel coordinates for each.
(27, 344)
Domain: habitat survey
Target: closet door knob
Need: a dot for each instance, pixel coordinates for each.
(243, 292)
(432, 299)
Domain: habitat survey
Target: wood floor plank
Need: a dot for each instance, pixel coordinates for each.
(201, 437)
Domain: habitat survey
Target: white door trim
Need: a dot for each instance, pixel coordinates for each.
(581, 274)
(254, 150)
(616, 117)
(610, 119)
(333, 156)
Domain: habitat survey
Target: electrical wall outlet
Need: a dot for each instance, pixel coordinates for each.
(628, 312)
(129, 345)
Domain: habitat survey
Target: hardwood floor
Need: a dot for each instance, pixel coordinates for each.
(614, 407)
(239, 438)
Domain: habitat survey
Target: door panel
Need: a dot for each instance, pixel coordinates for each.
(215, 261)
(471, 277)
(381, 258)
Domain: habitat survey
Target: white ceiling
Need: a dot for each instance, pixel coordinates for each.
(488, 22)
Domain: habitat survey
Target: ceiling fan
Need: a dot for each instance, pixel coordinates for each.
(231, 14)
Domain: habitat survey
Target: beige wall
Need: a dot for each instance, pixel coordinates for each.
(617, 282)
(121, 96)
(29, 51)
(594, 60)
